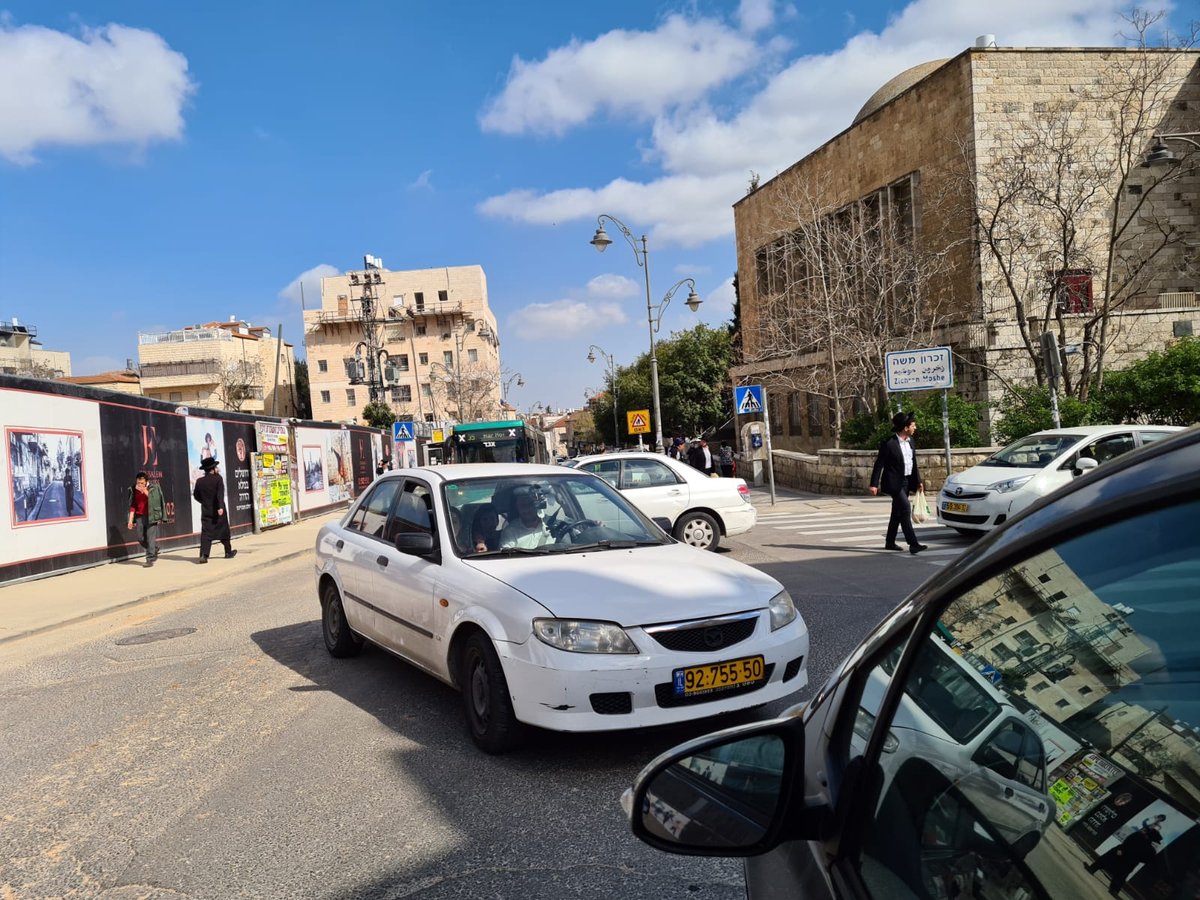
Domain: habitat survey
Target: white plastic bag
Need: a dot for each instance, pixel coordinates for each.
(920, 507)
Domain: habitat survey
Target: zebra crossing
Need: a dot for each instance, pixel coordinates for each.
(856, 525)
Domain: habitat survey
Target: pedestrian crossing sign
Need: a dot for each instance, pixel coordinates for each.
(748, 399)
(402, 431)
(639, 421)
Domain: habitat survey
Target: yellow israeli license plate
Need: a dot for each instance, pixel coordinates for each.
(956, 507)
(718, 676)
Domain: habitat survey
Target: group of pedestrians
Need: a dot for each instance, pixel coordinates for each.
(700, 456)
(147, 512)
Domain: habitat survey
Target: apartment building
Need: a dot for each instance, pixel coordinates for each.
(219, 365)
(425, 338)
(903, 232)
(22, 354)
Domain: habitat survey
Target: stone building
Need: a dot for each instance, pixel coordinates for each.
(436, 339)
(219, 365)
(22, 354)
(921, 176)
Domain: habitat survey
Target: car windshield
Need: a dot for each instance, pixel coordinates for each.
(540, 514)
(1032, 452)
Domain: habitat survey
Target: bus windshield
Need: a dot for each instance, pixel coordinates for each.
(498, 442)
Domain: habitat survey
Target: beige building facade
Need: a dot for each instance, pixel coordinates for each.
(437, 345)
(22, 354)
(932, 153)
(219, 365)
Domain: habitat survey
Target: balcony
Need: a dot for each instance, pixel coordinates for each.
(202, 367)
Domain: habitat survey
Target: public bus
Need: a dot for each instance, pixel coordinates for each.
(511, 440)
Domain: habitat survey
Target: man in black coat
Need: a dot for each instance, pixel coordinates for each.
(214, 523)
(896, 473)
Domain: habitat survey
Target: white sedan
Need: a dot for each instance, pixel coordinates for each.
(549, 600)
(700, 508)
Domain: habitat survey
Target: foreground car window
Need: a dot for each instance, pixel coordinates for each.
(1047, 739)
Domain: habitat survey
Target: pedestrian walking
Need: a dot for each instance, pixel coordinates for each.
(895, 473)
(1119, 862)
(385, 465)
(69, 490)
(726, 457)
(146, 511)
(214, 523)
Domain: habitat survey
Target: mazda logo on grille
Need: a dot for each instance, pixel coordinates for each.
(714, 638)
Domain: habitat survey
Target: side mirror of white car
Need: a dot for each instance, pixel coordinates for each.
(1085, 464)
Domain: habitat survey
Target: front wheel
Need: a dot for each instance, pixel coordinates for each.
(699, 530)
(490, 717)
(339, 639)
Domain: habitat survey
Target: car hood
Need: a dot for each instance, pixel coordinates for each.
(982, 476)
(640, 586)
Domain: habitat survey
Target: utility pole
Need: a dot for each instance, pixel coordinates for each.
(368, 280)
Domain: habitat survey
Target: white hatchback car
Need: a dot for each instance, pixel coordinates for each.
(699, 508)
(991, 493)
(549, 600)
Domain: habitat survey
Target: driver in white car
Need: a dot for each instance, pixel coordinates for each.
(526, 529)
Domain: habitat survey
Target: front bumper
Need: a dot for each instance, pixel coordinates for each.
(563, 691)
(984, 511)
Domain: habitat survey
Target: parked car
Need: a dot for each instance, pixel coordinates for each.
(541, 593)
(699, 509)
(1053, 662)
(985, 496)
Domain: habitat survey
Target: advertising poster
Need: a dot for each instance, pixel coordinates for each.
(1081, 786)
(377, 451)
(239, 442)
(205, 439)
(313, 458)
(139, 440)
(406, 455)
(46, 473)
(272, 437)
(339, 471)
(325, 468)
(272, 486)
(364, 464)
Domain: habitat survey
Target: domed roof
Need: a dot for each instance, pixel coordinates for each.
(897, 86)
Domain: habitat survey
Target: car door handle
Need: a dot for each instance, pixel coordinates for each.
(382, 560)
(676, 492)
(1008, 792)
(340, 544)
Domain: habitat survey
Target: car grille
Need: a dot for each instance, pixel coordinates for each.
(664, 694)
(959, 517)
(614, 704)
(965, 495)
(715, 635)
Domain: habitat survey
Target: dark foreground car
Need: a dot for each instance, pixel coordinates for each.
(1026, 724)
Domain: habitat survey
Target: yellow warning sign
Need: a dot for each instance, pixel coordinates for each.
(438, 435)
(639, 421)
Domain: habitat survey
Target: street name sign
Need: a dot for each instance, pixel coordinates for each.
(919, 370)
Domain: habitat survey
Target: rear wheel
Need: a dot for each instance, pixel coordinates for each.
(490, 717)
(339, 639)
(699, 530)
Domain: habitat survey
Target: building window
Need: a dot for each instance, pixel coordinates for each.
(1025, 640)
(423, 358)
(175, 396)
(815, 425)
(402, 393)
(472, 355)
(322, 365)
(419, 300)
(1041, 686)
(402, 362)
(448, 357)
(443, 296)
(471, 327)
(1062, 704)
(795, 416)
(324, 396)
(1085, 690)
(1073, 290)
(425, 391)
(1002, 653)
(350, 396)
(1044, 578)
(420, 331)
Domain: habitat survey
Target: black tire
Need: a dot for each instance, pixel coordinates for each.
(698, 529)
(340, 640)
(490, 718)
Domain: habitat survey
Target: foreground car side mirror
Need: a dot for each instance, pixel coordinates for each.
(663, 522)
(726, 794)
(1085, 464)
(420, 544)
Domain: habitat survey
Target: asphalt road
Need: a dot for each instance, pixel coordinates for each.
(206, 745)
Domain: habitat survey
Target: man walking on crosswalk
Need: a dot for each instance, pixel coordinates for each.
(896, 472)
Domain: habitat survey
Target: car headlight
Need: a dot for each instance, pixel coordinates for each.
(1003, 487)
(783, 610)
(583, 637)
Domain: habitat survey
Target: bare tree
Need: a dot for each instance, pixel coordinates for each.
(238, 381)
(840, 287)
(467, 393)
(1061, 203)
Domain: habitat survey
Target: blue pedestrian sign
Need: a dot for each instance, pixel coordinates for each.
(748, 399)
(991, 674)
(402, 431)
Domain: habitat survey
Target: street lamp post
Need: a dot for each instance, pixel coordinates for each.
(601, 240)
(1160, 153)
(516, 376)
(612, 381)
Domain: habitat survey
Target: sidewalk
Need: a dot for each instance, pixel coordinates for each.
(32, 606)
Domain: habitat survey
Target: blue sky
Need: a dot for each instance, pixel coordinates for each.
(163, 164)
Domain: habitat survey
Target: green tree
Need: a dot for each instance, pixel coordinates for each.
(1025, 409)
(865, 432)
(300, 382)
(378, 414)
(1163, 388)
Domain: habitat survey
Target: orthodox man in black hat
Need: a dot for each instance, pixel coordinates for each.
(214, 523)
(896, 473)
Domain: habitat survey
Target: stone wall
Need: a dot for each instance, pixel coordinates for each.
(849, 471)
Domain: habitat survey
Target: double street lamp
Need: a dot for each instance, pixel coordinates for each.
(504, 388)
(612, 381)
(601, 240)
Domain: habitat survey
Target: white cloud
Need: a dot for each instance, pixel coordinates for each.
(719, 301)
(422, 182)
(613, 286)
(755, 15)
(685, 269)
(311, 280)
(630, 73)
(705, 151)
(564, 318)
(110, 85)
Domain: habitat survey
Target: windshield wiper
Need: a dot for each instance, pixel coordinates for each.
(611, 545)
(513, 551)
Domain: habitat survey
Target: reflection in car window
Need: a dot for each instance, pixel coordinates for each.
(1032, 452)
(371, 516)
(608, 469)
(1088, 779)
(646, 473)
